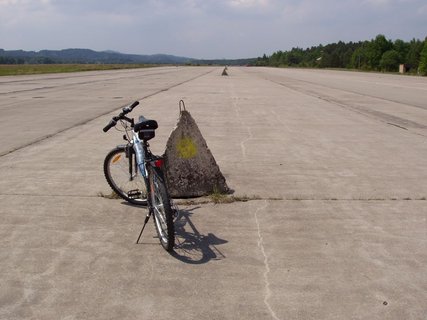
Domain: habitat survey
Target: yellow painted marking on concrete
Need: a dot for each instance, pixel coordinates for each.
(186, 148)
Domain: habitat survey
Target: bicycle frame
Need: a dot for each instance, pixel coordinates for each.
(143, 155)
(151, 169)
(140, 153)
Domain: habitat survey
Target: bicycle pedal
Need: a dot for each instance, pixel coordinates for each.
(135, 194)
(175, 213)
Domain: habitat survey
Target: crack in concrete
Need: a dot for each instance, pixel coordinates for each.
(227, 200)
(242, 143)
(268, 292)
(248, 129)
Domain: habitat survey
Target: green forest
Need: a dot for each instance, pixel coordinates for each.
(379, 54)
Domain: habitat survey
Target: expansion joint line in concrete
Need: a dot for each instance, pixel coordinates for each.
(350, 107)
(16, 194)
(98, 116)
(266, 263)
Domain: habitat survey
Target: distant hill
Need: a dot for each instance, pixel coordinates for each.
(85, 56)
(104, 57)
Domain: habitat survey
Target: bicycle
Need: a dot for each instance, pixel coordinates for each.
(141, 166)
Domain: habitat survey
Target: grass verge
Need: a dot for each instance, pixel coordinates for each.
(27, 69)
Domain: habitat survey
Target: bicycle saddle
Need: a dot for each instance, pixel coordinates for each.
(145, 124)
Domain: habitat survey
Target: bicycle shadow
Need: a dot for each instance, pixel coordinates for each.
(191, 246)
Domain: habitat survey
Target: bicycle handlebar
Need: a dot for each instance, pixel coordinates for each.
(121, 116)
(130, 108)
(110, 125)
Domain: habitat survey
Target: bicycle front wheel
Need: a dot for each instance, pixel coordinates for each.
(121, 172)
(162, 211)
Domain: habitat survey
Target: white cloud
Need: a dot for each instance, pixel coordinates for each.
(23, 3)
(249, 3)
(10, 2)
(377, 2)
(422, 10)
(204, 28)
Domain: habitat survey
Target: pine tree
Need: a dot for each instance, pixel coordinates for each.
(422, 69)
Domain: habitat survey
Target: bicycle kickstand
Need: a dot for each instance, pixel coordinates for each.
(143, 227)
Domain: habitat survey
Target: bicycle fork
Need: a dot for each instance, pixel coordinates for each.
(130, 154)
(133, 171)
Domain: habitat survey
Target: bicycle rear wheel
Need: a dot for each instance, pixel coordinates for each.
(121, 172)
(162, 211)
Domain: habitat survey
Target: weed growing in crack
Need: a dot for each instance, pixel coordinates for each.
(112, 195)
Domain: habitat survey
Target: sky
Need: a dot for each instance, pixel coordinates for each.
(204, 29)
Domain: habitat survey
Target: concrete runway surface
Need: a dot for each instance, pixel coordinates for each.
(333, 164)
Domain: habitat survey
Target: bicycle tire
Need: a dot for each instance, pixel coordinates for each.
(116, 171)
(162, 210)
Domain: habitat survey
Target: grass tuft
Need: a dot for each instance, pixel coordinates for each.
(112, 195)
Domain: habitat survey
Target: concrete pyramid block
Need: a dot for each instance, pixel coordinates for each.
(191, 170)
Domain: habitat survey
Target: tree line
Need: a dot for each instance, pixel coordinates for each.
(379, 54)
(30, 60)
